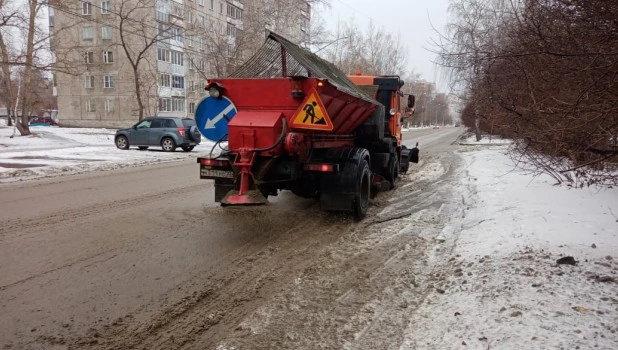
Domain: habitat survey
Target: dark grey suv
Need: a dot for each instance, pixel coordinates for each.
(167, 132)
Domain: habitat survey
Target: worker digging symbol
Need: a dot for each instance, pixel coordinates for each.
(310, 112)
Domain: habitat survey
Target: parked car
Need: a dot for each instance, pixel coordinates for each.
(436, 126)
(42, 121)
(166, 132)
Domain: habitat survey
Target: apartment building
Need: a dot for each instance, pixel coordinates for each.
(170, 47)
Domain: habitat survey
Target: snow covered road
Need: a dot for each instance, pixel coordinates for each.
(461, 255)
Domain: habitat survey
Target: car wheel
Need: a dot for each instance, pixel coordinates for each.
(122, 142)
(143, 147)
(168, 144)
(188, 148)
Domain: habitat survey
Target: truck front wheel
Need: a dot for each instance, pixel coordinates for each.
(363, 187)
(392, 171)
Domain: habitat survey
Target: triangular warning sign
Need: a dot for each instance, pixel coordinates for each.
(312, 114)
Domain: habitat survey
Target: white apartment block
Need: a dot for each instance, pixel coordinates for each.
(179, 44)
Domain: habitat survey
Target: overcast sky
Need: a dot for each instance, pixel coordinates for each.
(413, 19)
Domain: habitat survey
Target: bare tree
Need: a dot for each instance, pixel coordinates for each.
(25, 61)
(374, 51)
(138, 39)
(10, 17)
(288, 18)
(543, 73)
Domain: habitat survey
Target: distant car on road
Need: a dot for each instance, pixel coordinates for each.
(436, 126)
(166, 132)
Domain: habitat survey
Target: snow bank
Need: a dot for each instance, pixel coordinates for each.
(501, 286)
(56, 151)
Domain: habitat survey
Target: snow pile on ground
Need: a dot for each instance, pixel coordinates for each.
(501, 285)
(469, 139)
(54, 151)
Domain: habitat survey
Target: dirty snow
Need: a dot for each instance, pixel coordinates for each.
(54, 151)
(499, 285)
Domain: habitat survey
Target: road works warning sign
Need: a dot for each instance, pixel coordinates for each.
(312, 114)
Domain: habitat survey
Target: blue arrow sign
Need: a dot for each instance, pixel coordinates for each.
(212, 116)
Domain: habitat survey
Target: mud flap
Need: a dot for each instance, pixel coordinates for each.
(414, 155)
(337, 193)
(251, 197)
(222, 188)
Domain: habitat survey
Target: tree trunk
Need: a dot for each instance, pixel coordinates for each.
(138, 94)
(477, 124)
(6, 72)
(22, 125)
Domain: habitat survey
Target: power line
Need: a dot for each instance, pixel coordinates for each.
(354, 9)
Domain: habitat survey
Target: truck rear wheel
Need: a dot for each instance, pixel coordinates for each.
(363, 187)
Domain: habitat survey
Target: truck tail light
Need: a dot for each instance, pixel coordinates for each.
(297, 90)
(214, 162)
(325, 168)
(181, 131)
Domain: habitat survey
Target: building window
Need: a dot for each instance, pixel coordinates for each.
(164, 80)
(109, 105)
(163, 55)
(220, 8)
(191, 64)
(163, 28)
(234, 12)
(222, 28)
(90, 106)
(190, 40)
(212, 4)
(178, 105)
(165, 105)
(89, 57)
(108, 57)
(178, 82)
(192, 107)
(50, 12)
(200, 21)
(88, 33)
(105, 7)
(108, 82)
(202, 65)
(200, 2)
(177, 11)
(191, 85)
(89, 82)
(106, 32)
(176, 33)
(178, 58)
(201, 43)
(86, 8)
(231, 30)
(162, 17)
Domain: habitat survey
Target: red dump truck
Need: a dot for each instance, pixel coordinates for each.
(288, 120)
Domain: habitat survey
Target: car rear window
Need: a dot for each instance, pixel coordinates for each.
(188, 123)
